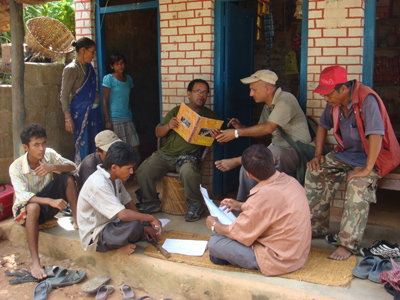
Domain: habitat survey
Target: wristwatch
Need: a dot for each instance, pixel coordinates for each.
(213, 226)
(236, 133)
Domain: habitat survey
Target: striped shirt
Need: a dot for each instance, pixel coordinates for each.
(24, 180)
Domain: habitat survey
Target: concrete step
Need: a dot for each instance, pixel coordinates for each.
(181, 281)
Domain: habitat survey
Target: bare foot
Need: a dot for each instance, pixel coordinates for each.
(37, 271)
(341, 253)
(226, 164)
(127, 249)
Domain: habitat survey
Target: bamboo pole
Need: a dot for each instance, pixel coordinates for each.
(17, 74)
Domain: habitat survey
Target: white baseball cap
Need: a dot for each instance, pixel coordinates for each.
(264, 75)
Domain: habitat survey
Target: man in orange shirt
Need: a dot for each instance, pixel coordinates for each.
(273, 231)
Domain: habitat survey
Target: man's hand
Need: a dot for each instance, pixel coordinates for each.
(225, 136)
(215, 132)
(357, 172)
(60, 204)
(173, 123)
(44, 169)
(229, 204)
(210, 220)
(150, 233)
(156, 225)
(226, 164)
(315, 163)
(235, 123)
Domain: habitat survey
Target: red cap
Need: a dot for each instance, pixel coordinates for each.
(329, 78)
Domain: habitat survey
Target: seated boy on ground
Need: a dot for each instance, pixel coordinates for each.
(38, 196)
(107, 217)
(273, 231)
(88, 166)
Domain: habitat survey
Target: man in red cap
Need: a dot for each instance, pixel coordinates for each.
(366, 150)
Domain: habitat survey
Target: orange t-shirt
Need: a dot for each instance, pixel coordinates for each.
(275, 221)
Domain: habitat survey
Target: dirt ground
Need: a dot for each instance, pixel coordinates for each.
(16, 257)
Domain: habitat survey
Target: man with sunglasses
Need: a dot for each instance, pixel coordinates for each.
(366, 150)
(176, 155)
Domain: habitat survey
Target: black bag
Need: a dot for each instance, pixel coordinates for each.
(304, 151)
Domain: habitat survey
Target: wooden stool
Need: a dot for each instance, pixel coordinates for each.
(173, 197)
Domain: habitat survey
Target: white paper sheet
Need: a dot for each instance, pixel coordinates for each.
(164, 222)
(185, 247)
(66, 223)
(224, 217)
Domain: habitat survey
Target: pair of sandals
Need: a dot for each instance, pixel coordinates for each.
(126, 291)
(62, 277)
(371, 266)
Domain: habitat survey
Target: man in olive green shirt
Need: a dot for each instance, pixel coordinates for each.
(176, 155)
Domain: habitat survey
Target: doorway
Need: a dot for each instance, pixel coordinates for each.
(135, 34)
(241, 48)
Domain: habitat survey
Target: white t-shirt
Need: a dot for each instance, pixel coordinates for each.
(98, 204)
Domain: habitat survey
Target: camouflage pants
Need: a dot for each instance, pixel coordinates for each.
(321, 186)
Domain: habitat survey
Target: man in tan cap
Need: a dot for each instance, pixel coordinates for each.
(280, 109)
(103, 141)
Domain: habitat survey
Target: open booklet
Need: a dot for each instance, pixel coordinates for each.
(194, 128)
(223, 217)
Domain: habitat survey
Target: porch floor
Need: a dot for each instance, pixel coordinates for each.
(181, 281)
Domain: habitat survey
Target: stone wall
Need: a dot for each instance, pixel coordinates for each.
(42, 106)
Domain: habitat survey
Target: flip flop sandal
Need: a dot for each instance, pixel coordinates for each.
(127, 291)
(383, 265)
(23, 275)
(91, 286)
(104, 291)
(17, 273)
(22, 279)
(365, 266)
(42, 290)
(67, 277)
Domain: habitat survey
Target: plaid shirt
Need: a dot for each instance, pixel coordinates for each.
(27, 184)
(392, 277)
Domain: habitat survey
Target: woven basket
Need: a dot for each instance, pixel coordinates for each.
(48, 37)
(173, 197)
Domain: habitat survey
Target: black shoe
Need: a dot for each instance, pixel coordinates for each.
(331, 238)
(139, 195)
(149, 208)
(382, 249)
(194, 213)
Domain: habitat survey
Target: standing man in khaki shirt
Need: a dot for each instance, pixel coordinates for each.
(273, 231)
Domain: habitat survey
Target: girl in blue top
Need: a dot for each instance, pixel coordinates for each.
(117, 101)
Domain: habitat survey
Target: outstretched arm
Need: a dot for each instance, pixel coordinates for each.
(254, 131)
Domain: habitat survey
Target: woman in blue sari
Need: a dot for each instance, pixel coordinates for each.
(78, 94)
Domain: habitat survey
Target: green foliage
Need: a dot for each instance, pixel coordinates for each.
(63, 11)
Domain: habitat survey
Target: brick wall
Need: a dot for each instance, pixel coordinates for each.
(335, 37)
(187, 52)
(84, 19)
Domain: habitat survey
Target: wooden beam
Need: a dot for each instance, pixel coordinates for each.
(17, 74)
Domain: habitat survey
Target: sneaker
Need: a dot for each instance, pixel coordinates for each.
(382, 249)
(149, 208)
(331, 238)
(194, 213)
